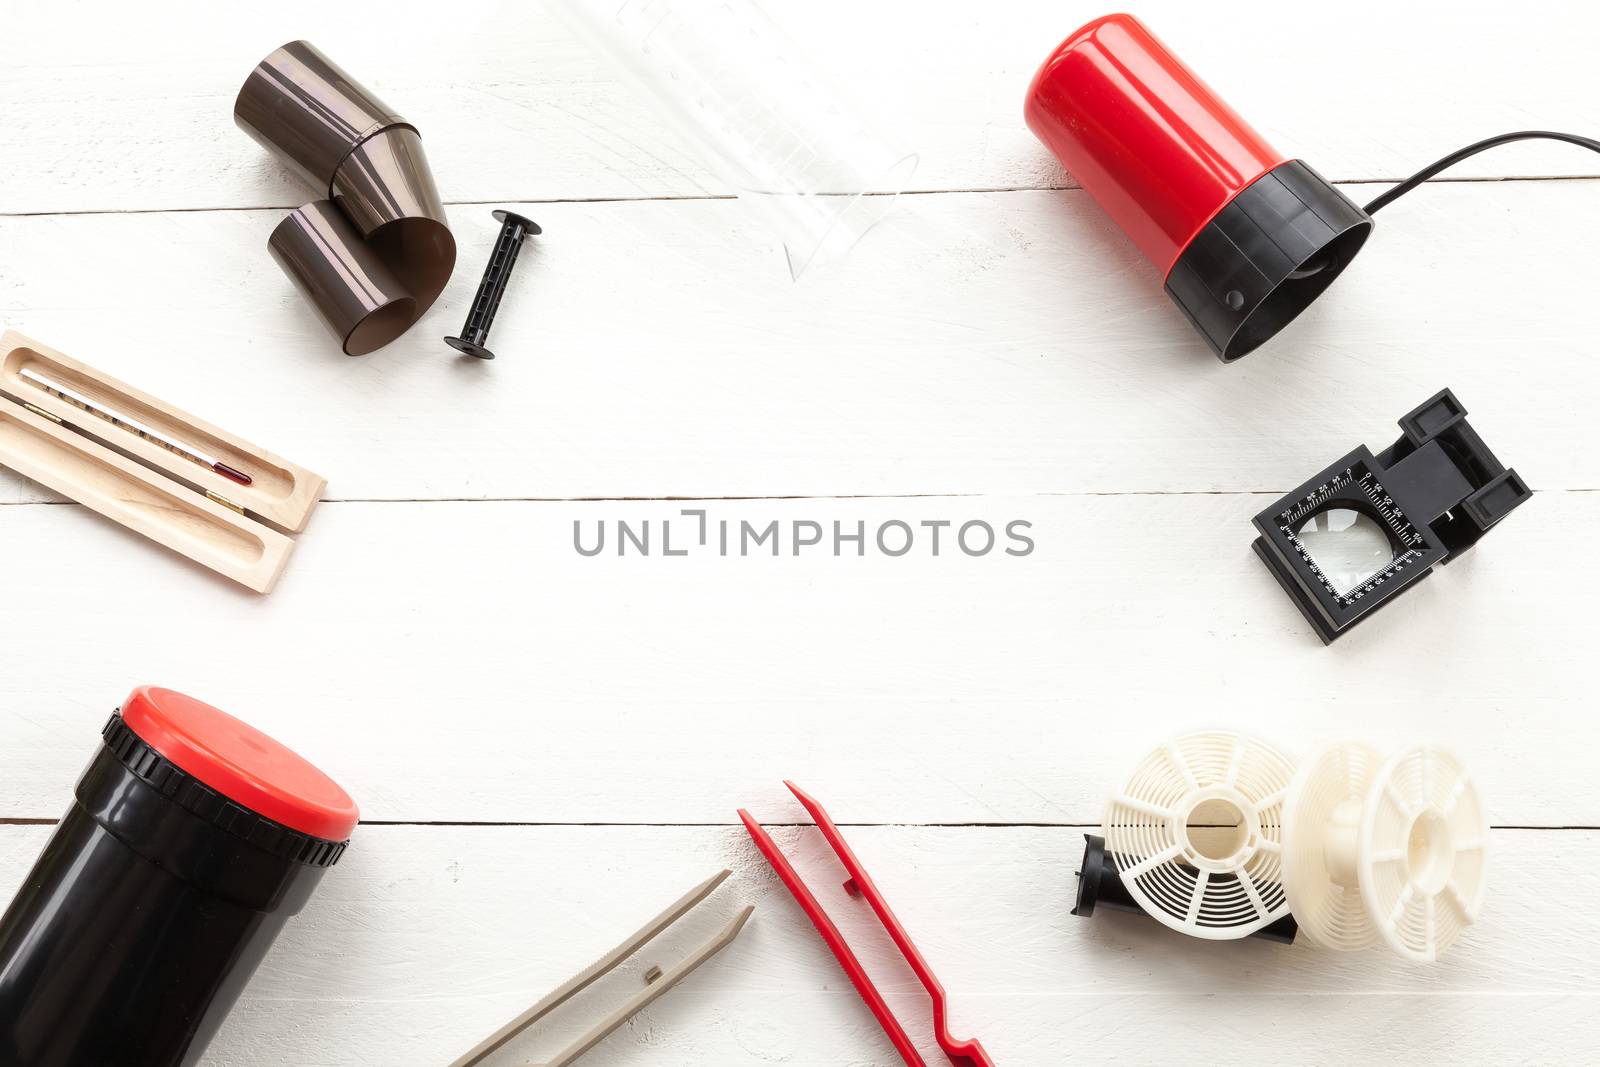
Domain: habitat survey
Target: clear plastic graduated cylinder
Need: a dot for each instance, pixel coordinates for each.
(767, 122)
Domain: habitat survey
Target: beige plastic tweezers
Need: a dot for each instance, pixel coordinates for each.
(658, 981)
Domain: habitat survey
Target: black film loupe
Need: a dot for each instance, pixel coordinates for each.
(1361, 532)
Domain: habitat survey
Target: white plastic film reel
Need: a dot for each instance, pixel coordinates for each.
(1394, 852)
(1196, 834)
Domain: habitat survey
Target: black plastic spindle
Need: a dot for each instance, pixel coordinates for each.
(513, 228)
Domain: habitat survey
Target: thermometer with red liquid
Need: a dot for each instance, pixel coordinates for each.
(132, 425)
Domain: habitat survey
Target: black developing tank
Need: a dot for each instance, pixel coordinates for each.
(192, 840)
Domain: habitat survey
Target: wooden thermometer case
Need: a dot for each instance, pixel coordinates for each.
(240, 531)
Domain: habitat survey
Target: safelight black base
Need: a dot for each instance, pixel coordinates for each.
(1263, 259)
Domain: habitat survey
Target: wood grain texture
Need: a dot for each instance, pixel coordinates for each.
(116, 111)
(995, 351)
(495, 916)
(656, 689)
(975, 343)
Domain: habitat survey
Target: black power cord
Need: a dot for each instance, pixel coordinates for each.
(1471, 150)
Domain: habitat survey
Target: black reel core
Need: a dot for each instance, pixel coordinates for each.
(1100, 885)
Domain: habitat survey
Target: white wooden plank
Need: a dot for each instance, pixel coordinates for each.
(461, 662)
(976, 343)
(111, 107)
(425, 938)
(458, 662)
(813, 1029)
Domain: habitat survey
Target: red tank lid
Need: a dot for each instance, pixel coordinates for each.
(240, 762)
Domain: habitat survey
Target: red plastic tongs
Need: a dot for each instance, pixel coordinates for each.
(962, 1053)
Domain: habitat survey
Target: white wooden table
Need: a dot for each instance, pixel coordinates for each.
(547, 747)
